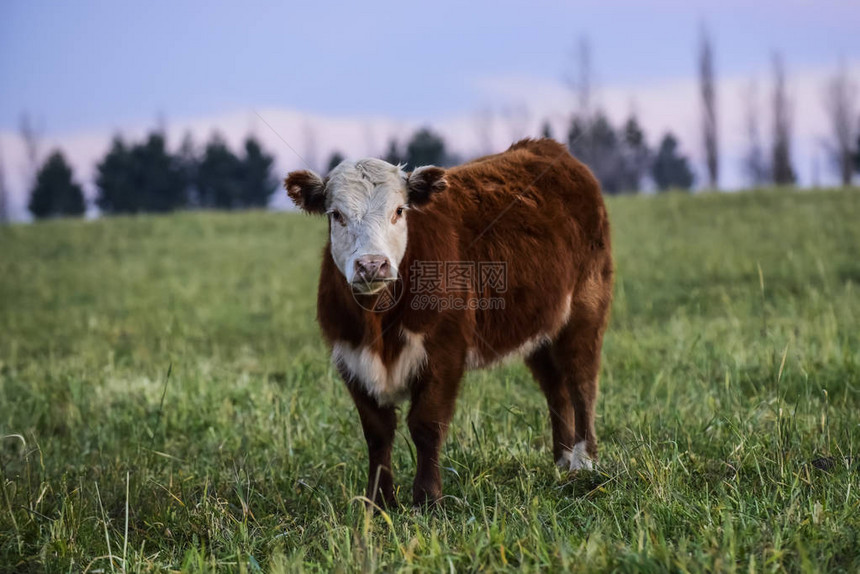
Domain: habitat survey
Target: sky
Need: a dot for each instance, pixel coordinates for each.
(312, 77)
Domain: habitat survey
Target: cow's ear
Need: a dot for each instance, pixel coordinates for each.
(423, 183)
(307, 190)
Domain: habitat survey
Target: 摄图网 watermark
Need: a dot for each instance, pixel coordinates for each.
(444, 286)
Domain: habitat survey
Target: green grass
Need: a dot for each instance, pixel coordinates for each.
(168, 372)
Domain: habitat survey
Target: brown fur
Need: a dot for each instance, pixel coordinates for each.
(540, 210)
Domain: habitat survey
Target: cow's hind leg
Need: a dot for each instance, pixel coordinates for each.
(576, 352)
(543, 366)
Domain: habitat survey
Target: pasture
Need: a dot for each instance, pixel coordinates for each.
(166, 403)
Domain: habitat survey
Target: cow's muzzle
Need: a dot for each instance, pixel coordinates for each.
(372, 274)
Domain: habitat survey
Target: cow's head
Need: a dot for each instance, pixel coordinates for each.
(366, 202)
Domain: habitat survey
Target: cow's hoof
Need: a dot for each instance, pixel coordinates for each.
(426, 498)
(576, 458)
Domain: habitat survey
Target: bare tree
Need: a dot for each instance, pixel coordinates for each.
(783, 172)
(31, 138)
(484, 120)
(581, 80)
(754, 164)
(709, 107)
(840, 103)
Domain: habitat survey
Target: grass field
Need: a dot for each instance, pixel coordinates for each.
(166, 400)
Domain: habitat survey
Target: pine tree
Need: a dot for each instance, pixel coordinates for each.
(636, 155)
(595, 142)
(606, 156)
(159, 175)
(144, 177)
(219, 184)
(425, 148)
(55, 192)
(258, 184)
(670, 169)
(115, 181)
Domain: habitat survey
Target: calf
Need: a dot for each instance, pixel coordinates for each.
(429, 273)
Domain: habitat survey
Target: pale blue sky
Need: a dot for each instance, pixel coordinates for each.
(80, 65)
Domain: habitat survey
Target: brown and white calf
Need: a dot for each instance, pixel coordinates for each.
(533, 209)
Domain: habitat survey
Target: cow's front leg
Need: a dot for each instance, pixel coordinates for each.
(378, 424)
(431, 411)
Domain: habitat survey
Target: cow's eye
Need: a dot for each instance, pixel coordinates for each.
(399, 211)
(336, 216)
(397, 215)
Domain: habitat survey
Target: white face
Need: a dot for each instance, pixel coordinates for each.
(366, 202)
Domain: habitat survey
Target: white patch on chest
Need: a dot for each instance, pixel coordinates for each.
(388, 385)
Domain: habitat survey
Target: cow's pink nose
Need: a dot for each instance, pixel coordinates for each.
(369, 268)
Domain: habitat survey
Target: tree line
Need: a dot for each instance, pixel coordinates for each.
(619, 156)
(146, 177)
